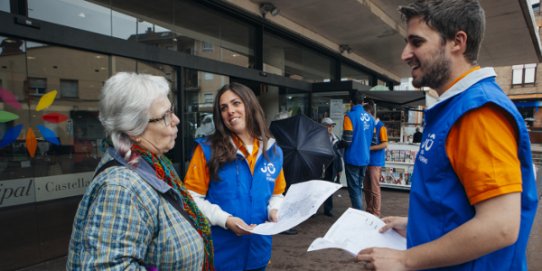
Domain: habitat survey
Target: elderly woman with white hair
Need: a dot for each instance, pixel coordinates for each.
(137, 214)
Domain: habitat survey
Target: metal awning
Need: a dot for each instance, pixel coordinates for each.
(374, 32)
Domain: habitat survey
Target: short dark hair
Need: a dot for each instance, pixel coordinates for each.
(450, 16)
(356, 97)
(369, 106)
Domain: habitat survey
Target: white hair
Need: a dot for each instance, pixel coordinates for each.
(124, 106)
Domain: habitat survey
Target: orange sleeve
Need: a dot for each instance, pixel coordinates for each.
(383, 134)
(482, 148)
(197, 177)
(347, 124)
(280, 183)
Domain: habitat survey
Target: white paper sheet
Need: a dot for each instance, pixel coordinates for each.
(356, 230)
(301, 201)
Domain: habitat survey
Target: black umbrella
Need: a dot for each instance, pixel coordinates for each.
(306, 147)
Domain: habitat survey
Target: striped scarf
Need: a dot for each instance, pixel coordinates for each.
(165, 171)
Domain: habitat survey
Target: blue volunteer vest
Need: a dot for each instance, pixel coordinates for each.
(358, 153)
(438, 203)
(378, 157)
(246, 196)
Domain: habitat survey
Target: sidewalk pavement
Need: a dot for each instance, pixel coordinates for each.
(290, 251)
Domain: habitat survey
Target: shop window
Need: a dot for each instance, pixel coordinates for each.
(349, 73)
(287, 58)
(74, 13)
(523, 74)
(46, 135)
(69, 88)
(4, 6)
(165, 24)
(37, 86)
(206, 46)
(200, 91)
(208, 97)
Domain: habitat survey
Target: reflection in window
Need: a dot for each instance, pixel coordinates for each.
(350, 73)
(4, 6)
(292, 102)
(381, 84)
(157, 69)
(198, 103)
(292, 60)
(51, 135)
(69, 88)
(73, 13)
(330, 105)
(206, 46)
(181, 29)
(37, 86)
(10, 46)
(173, 25)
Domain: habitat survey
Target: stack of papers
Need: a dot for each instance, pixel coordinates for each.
(356, 230)
(301, 201)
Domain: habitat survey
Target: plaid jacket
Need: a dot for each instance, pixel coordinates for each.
(123, 223)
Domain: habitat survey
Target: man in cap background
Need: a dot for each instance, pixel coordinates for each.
(333, 171)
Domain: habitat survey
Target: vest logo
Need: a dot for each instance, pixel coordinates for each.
(426, 146)
(268, 168)
(365, 118)
(428, 143)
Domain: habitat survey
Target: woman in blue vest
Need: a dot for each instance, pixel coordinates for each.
(236, 178)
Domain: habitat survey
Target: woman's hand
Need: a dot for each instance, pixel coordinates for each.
(274, 215)
(237, 225)
(399, 224)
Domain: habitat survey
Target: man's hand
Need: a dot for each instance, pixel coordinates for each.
(399, 224)
(236, 225)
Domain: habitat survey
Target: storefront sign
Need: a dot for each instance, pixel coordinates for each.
(336, 109)
(29, 190)
(16, 192)
(62, 186)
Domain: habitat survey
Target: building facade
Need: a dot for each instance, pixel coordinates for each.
(522, 83)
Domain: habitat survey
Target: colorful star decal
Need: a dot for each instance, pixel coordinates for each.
(13, 132)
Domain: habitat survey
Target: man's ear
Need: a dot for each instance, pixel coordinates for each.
(459, 43)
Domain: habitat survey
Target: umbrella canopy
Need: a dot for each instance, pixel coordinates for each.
(306, 147)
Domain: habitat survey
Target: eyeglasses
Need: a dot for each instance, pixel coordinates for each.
(167, 117)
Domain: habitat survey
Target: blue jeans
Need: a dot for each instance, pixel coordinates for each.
(354, 179)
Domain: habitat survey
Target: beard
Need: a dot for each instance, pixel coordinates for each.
(436, 72)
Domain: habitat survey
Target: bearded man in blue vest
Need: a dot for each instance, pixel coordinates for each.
(358, 128)
(473, 197)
